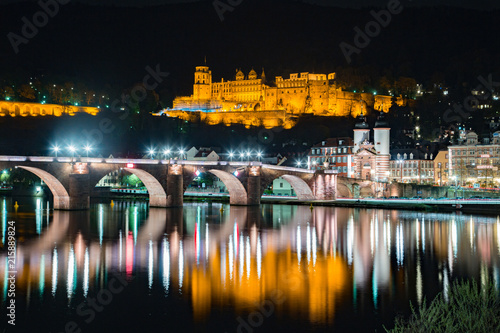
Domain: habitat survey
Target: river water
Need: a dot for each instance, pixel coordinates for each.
(125, 267)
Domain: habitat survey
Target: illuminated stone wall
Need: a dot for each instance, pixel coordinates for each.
(15, 109)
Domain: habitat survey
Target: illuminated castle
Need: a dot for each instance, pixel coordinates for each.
(302, 93)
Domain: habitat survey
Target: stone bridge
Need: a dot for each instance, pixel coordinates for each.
(359, 188)
(22, 109)
(72, 180)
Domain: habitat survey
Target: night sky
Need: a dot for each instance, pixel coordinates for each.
(479, 4)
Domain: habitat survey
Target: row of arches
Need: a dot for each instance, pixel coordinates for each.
(14, 109)
(157, 195)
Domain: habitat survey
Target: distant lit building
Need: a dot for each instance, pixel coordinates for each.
(441, 168)
(332, 154)
(412, 166)
(282, 187)
(475, 164)
(202, 154)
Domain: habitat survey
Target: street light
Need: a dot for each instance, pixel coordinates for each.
(259, 155)
(242, 155)
(72, 149)
(166, 153)
(87, 149)
(231, 155)
(248, 155)
(152, 152)
(299, 163)
(56, 149)
(181, 153)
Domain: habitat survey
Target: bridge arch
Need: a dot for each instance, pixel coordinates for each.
(300, 187)
(344, 190)
(157, 195)
(61, 196)
(237, 192)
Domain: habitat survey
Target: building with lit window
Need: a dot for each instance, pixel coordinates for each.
(412, 166)
(474, 164)
(332, 154)
(441, 168)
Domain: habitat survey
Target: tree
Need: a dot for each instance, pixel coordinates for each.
(26, 92)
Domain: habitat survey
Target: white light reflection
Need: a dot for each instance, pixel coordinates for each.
(498, 234)
(71, 272)
(454, 237)
(86, 271)
(420, 285)
(206, 242)
(308, 243)
(166, 265)
(423, 235)
(120, 254)
(242, 256)
(54, 272)
(100, 219)
(372, 236)
(399, 245)
(446, 285)
(38, 216)
(231, 257)
(387, 236)
(314, 247)
(41, 283)
(247, 255)
(350, 240)
(299, 250)
(181, 266)
(259, 257)
(150, 265)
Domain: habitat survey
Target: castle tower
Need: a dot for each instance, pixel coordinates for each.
(202, 88)
(361, 132)
(382, 139)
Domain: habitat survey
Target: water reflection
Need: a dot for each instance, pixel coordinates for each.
(321, 261)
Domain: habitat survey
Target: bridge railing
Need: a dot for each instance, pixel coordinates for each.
(66, 159)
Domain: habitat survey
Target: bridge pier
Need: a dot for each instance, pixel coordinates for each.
(253, 188)
(175, 186)
(325, 186)
(79, 192)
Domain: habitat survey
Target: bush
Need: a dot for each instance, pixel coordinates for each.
(468, 309)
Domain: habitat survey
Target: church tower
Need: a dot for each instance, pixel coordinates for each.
(361, 132)
(202, 88)
(382, 139)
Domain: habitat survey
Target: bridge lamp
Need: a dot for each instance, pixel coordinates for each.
(56, 149)
(242, 155)
(299, 163)
(87, 149)
(166, 152)
(231, 155)
(259, 155)
(72, 149)
(181, 153)
(248, 155)
(152, 152)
